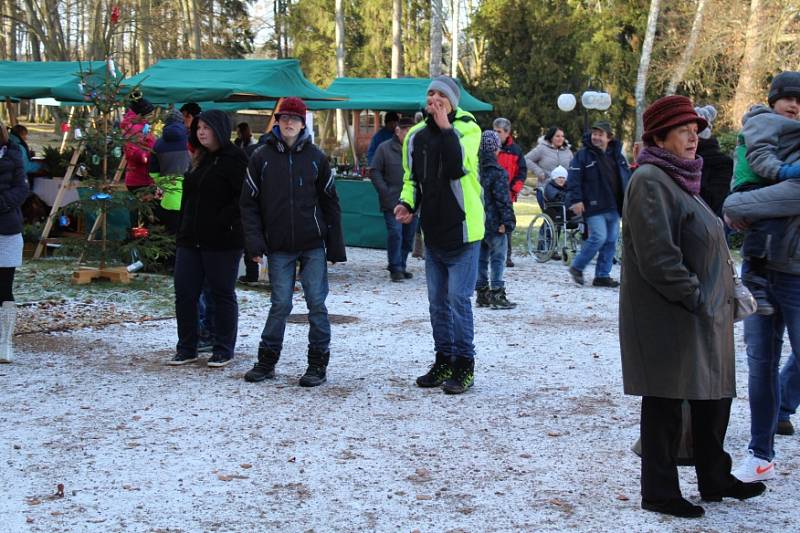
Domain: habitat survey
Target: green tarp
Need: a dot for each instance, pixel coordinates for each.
(42, 79)
(362, 221)
(396, 94)
(226, 80)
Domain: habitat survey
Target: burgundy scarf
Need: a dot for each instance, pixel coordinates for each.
(685, 172)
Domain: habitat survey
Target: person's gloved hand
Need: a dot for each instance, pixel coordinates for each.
(789, 172)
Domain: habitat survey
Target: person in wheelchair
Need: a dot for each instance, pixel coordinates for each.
(555, 197)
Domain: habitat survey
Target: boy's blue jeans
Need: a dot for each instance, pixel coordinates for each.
(492, 258)
(314, 278)
(451, 276)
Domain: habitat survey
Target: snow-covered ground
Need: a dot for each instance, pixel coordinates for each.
(542, 442)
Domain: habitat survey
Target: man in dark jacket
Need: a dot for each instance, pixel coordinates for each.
(387, 177)
(500, 220)
(382, 135)
(290, 212)
(598, 175)
(512, 160)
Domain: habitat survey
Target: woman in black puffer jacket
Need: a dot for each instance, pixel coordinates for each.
(209, 240)
(13, 191)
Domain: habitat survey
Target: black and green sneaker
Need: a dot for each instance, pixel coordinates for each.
(462, 378)
(438, 373)
(483, 298)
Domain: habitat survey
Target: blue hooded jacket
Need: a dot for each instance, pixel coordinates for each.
(587, 184)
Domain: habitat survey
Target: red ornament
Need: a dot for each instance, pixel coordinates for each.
(64, 127)
(140, 232)
(115, 15)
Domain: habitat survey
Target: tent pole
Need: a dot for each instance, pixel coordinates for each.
(271, 122)
(66, 133)
(350, 135)
(12, 115)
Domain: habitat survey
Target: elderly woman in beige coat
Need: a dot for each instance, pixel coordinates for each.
(676, 314)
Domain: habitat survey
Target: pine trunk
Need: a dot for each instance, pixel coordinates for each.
(397, 38)
(435, 67)
(644, 66)
(747, 89)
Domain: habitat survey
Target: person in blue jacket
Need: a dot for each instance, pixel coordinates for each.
(598, 175)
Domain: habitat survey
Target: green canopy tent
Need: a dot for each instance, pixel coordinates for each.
(42, 79)
(397, 94)
(226, 80)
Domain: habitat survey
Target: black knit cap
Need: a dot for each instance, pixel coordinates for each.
(784, 84)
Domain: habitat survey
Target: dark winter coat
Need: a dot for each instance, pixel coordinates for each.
(554, 193)
(586, 182)
(512, 160)
(290, 202)
(496, 199)
(717, 174)
(387, 173)
(676, 297)
(210, 215)
(13, 189)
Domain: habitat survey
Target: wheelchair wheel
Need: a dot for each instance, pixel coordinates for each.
(541, 238)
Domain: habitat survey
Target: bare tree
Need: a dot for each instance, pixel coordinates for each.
(436, 38)
(454, 38)
(688, 51)
(644, 65)
(748, 87)
(397, 38)
(340, 122)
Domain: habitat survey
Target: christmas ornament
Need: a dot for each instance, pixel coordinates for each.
(100, 196)
(140, 232)
(78, 133)
(146, 129)
(63, 221)
(115, 14)
(116, 152)
(95, 159)
(64, 127)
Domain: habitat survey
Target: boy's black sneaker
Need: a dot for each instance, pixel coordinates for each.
(182, 359)
(462, 378)
(244, 280)
(264, 367)
(397, 276)
(785, 427)
(499, 300)
(316, 372)
(440, 370)
(605, 282)
(205, 346)
(577, 275)
(407, 274)
(484, 297)
(218, 361)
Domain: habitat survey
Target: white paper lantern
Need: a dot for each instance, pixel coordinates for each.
(605, 101)
(566, 102)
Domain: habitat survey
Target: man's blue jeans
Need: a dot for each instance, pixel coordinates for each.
(314, 278)
(195, 267)
(763, 335)
(790, 387)
(451, 276)
(399, 241)
(492, 256)
(603, 235)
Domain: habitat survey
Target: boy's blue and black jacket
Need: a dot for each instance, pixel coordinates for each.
(587, 184)
(496, 198)
(289, 202)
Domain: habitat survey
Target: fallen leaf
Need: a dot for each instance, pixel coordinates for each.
(622, 497)
(424, 497)
(246, 465)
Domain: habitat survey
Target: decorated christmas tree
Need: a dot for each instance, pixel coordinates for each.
(120, 226)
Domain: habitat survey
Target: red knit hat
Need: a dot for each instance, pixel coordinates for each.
(667, 113)
(294, 107)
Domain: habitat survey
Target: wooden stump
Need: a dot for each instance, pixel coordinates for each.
(86, 275)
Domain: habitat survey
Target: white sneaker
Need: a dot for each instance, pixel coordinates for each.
(754, 469)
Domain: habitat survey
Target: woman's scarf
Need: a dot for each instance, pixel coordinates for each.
(685, 172)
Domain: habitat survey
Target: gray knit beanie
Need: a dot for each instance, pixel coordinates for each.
(447, 86)
(708, 112)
